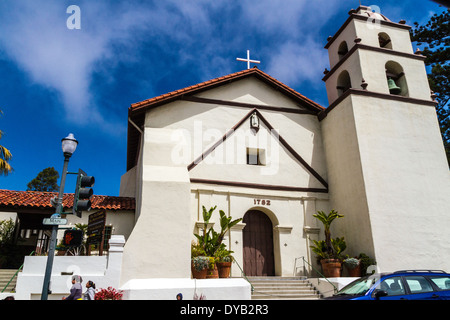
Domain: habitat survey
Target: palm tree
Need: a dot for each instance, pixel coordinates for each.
(5, 156)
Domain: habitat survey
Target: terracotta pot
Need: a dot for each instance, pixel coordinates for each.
(331, 268)
(355, 272)
(198, 274)
(224, 269)
(212, 273)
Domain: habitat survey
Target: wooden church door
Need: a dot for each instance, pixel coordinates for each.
(258, 244)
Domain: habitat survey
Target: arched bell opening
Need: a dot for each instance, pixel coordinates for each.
(384, 40)
(342, 49)
(343, 82)
(396, 79)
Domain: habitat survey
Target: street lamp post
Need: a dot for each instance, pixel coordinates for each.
(69, 145)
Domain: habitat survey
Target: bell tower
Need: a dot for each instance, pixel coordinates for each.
(368, 52)
(387, 168)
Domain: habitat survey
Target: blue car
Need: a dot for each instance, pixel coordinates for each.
(400, 285)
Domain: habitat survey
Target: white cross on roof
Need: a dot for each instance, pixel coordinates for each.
(248, 60)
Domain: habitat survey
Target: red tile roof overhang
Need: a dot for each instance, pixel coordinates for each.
(11, 200)
(136, 112)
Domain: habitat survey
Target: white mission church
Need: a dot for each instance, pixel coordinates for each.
(263, 152)
(260, 151)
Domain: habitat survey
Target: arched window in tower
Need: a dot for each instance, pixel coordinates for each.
(343, 82)
(384, 40)
(396, 79)
(342, 50)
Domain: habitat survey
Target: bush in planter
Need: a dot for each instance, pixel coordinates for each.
(351, 263)
(200, 263)
(320, 249)
(224, 261)
(224, 255)
(212, 270)
(365, 262)
(108, 294)
(199, 267)
(197, 250)
(353, 266)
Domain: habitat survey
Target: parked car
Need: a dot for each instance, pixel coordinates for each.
(399, 285)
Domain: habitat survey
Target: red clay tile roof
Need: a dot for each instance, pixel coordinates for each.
(41, 200)
(137, 110)
(225, 79)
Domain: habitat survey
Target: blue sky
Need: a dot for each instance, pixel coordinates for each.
(55, 80)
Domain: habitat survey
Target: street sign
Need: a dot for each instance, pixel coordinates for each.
(96, 227)
(54, 221)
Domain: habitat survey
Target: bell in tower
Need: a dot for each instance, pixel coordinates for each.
(393, 88)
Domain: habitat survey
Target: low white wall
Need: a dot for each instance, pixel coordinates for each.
(167, 289)
(104, 271)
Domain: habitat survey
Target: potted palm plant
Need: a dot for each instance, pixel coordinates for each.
(331, 249)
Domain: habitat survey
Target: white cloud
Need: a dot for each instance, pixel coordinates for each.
(34, 35)
(288, 16)
(294, 63)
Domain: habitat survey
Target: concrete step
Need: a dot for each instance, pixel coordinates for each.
(5, 277)
(286, 297)
(272, 288)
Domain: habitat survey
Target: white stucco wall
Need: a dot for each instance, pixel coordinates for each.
(159, 246)
(198, 126)
(388, 174)
(290, 214)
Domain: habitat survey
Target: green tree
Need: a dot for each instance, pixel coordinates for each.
(7, 229)
(5, 157)
(46, 180)
(435, 35)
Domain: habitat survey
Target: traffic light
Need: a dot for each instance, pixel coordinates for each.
(83, 193)
(73, 238)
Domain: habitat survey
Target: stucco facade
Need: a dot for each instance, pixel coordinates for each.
(387, 169)
(375, 157)
(182, 132)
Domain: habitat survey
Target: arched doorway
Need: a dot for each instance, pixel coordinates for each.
(258, 244)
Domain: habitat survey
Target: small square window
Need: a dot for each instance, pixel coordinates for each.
(256, 157)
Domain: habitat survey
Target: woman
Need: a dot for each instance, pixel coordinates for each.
(90, 292)
(76, 291)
